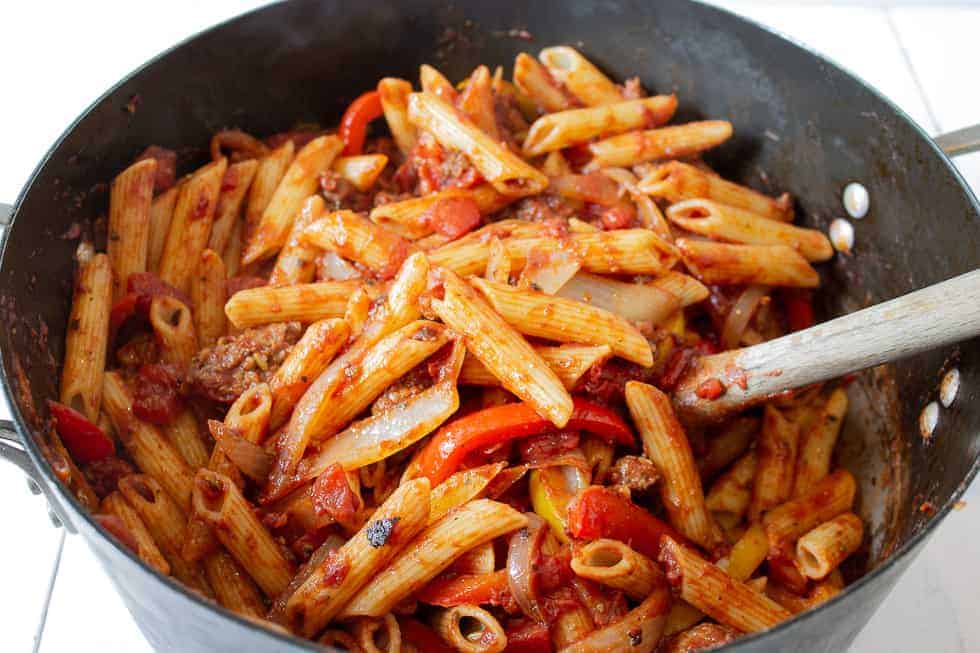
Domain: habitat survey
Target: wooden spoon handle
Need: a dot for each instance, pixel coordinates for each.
(925, 319)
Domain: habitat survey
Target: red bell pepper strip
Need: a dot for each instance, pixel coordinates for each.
(474, 589)
(422, 637)
(85, 441)
(353, 125)
(599, 512)
(529, 637)
(484, 428)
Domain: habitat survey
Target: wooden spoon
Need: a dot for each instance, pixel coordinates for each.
(945, 313)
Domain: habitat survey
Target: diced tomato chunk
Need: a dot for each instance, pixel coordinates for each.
(85, 441)
(155, 396)
(453, 216)
(333, 496)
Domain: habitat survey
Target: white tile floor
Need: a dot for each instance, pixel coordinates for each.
(59, 56)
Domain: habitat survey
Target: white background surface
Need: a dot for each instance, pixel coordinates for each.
(59, 56)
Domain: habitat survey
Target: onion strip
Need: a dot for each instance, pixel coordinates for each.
(524, 549)
(739, 316)
(634, 302)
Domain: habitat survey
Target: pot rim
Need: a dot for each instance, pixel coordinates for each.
(43, 466)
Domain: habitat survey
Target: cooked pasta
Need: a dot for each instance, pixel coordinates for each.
(434, 349)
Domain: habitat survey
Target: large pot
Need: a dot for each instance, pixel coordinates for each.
(810, 126)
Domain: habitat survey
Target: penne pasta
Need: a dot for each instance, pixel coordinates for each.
(460, 488)
(392, 526)
(827, 498)
(144, 443)
(360, 240)
(184, 434)
(130, 199)
(717, 594)
(817, 443)
(579, 76)
(777, 447)
(472, 525)
(508, 173)
(394, 94)
(478, 560)
(385, 630)
(116, 504)
(732, 492)
(556, 131)
(470, 629)
(767, 265)
(730, 443)
(536, 82)
(208, 298)
(299, 182)
(361, 170)
(568, 362)
(565, 320)
(636, 147)
(87, 338)
(232, 256)
(313, 410)
(190, 226)
(821, 550)
(166, 523)
(296, 262)
(730, 224)
(306, 361)
(501, 349)
(161, 214)
(435, 82)
(676, 181)
(233, 589)
(640, 629)
(228, 213)
(615, 564)
(305, 303)
(221, 505)
(174, 330)
(269, 173)
(666, 444)
(476, 102)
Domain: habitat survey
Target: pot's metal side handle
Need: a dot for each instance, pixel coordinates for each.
(6, 212)
(961, 141)
(12, 451)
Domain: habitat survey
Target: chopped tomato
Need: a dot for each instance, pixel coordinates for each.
(618, 217)
(600, 512)
(422, 637)
(85, 441)
(453, 216)
(799, 308)
(141, 288)
(155, 397)
(476, 589)
(166, 174)
(353, 125)
(528, 636)
(711, 389)
(332, 495)
(477, 431)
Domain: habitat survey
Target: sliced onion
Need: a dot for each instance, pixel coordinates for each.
(740, 315)
(632, 301)
(333, 268)
(252, 459)
(525, 545)
(549, 270)
(379, 436)
(595, 188)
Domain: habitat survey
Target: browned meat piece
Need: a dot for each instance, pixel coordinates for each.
(634, 472)
(235, 363)
(704, 637)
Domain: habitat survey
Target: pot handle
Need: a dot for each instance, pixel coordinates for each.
(11, 450)
(960, 141)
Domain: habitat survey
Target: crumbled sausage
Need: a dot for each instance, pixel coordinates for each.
(634, 472)
(234, 364)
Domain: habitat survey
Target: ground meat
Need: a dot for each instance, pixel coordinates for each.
(703, 637)
(607, 381)
(104, 474)
(541, 208)
(340, 194)
(634, 472)
(225, 370)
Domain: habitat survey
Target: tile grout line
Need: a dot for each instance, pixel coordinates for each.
(936, 129)
(47, 598)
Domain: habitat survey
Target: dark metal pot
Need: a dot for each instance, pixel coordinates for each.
(810, 126)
